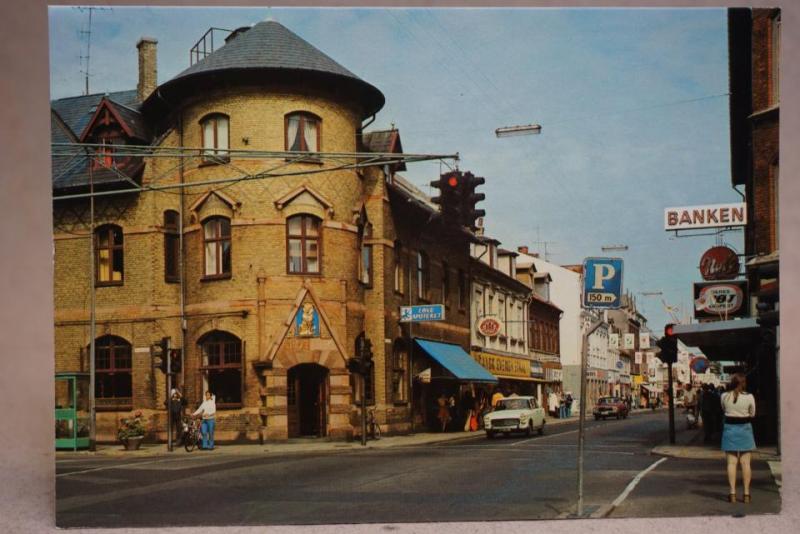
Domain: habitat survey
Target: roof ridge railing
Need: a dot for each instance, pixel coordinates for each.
(204, 46)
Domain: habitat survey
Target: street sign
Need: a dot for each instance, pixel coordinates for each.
(602, 282)
(417, 314)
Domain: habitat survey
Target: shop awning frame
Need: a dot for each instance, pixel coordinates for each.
(456, 361)
(721, 340)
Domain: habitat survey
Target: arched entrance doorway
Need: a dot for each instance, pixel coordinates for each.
(307, 400)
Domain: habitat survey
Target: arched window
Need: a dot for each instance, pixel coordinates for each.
(302, 132)
(113, 386)
(217, 247)
(399, 372)
(365, 260)
(423, 275)
(303, 247)
(399, 272)
(221, 355)
(216, 136)
(172, 249)
(108, 255)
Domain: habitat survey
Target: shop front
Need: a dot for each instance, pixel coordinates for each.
(447, 380)
(515, 375)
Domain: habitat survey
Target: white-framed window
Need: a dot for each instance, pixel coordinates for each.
(216, 136)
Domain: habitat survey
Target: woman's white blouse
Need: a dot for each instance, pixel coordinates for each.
(745, 405)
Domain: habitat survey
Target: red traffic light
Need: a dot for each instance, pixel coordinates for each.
(452, 181)
(668, 329)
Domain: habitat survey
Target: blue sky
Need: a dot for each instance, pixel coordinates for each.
(631, 102)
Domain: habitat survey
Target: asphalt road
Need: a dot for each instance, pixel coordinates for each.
(511, 478)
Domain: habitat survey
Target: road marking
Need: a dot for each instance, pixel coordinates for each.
(606, 511)
(543, 437)
(120, 466)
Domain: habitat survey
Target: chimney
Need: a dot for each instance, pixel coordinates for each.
(523, 250)
(148, 71)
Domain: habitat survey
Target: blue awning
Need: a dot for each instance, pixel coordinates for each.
(456, 360)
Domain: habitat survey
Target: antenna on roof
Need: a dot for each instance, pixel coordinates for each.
(88, 33)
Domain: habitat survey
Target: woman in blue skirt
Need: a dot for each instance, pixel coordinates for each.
(737, 433)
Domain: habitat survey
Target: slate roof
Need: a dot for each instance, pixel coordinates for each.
(69, 117)
(268, 47)
(384, 141)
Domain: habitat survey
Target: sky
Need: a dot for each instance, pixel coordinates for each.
(632, 102)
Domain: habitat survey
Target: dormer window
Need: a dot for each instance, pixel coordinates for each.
(216, 137)
(302, 132)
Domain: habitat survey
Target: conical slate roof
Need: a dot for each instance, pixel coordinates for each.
(270, 48)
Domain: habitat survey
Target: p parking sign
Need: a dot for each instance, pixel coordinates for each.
(602, 282)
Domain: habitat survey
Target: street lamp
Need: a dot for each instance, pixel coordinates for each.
(509, 131)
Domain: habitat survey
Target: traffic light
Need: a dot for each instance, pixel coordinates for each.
(175, 360)
(668, 345)
(362, 363)
(161, 353)
(469, 198)
(449, 186)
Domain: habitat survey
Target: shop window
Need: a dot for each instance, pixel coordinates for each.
(303, 247)
(216, 137)
(221, 354)
(302, 132)
(217, 248)
(172, 249)
(109, 255)
(113, 372)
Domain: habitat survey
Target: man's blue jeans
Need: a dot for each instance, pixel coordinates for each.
(569, 410)
(207, 429)
(562, 411)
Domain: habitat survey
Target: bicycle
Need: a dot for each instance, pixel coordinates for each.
(192, 437)
(373, 426)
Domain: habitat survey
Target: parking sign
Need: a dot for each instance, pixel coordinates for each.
(602, 282)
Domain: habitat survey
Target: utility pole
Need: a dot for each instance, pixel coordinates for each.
(671, 397)
(92, 315)
(168, 356)
(582, 411)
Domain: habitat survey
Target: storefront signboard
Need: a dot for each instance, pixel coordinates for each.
(720, 300)
(415, 314)
(644, 340)
(505, 366)
(719, 263)
(489, 326)
(707, 216)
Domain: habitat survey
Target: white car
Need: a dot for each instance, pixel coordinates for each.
(514, 414)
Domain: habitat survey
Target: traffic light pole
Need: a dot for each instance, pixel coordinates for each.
(169, 395)
(363, 410)
(671, 397)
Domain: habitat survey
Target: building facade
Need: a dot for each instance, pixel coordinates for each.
(263, 281)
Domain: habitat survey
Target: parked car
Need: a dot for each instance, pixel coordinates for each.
(514, 414)
(610, 407)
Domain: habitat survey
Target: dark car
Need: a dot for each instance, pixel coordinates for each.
(610, 407)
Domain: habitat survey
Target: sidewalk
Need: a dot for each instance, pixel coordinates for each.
(689, 444)
(297, 445)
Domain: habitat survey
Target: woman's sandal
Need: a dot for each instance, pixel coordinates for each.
(732, 497)
(746, 498)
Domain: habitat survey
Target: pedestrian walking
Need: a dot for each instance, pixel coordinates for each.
(690, 400)
(207, 412)
(569, 400)
(177, 405)
(562, 406)
(737, 433)
(444, 411)
(496, 398)
(552, 403)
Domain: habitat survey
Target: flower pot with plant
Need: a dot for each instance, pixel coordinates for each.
(131, 432)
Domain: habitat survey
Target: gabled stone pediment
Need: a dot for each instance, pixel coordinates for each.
(304, 199)
(306, 336)
(213, 203)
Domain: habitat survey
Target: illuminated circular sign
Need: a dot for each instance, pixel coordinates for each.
(489, 326)
(719, 263)
(722, 299)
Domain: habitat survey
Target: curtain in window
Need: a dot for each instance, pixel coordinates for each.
(310, 134)
(211, 248)
(208, 137)
(293, 124)
(222, 136)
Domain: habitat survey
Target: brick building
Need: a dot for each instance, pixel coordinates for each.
(263, 275)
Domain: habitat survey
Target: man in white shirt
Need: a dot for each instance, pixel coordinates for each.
(207, 411)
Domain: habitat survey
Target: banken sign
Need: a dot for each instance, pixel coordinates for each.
(602, 282)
